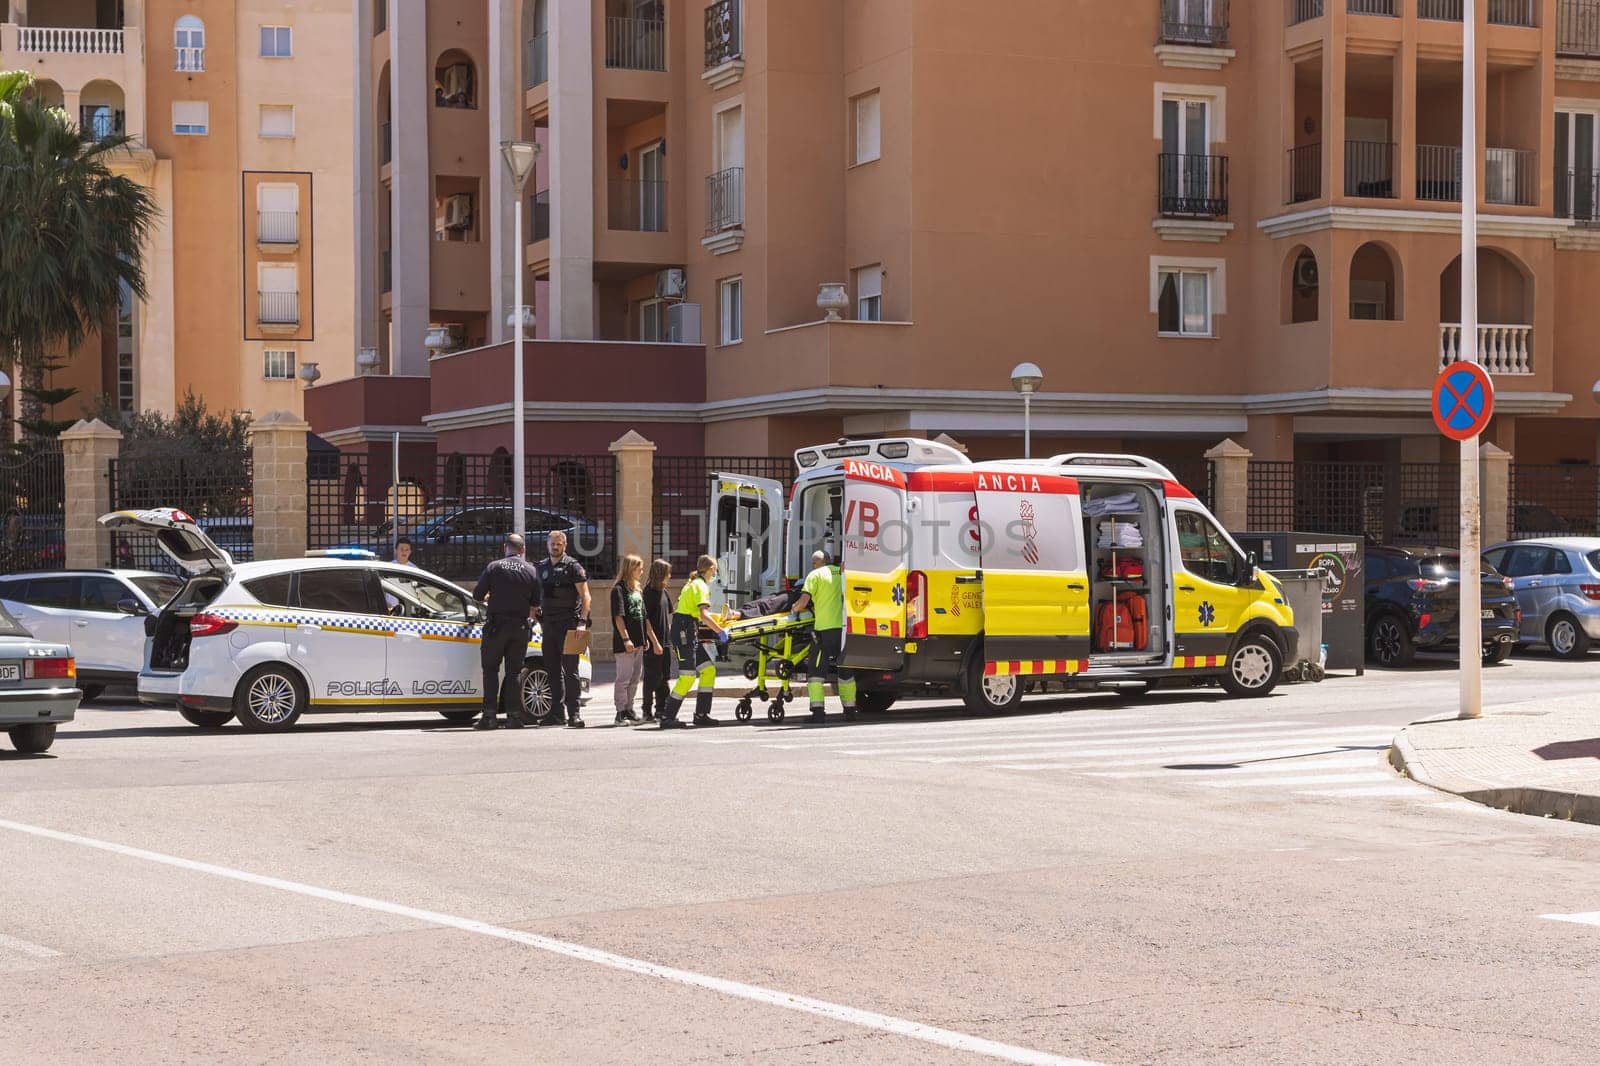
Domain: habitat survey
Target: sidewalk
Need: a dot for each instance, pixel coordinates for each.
(1539, 758)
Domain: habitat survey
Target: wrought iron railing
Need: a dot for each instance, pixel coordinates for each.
(215, 489)
(278, 227)
(1511, 176)
(1374, 7)
(1440, 10)
(639, 206)
(1578, 28)
(1194, 22)
(1304, 11)
(101, 122)
(1369, 169)
(1439, 172)
(1304, 172)
(1193, 185)
(279, 309)
(33, 494)
(1512, 13)
(725, 200)
(1387, 502)
(636, 44)
(1576, 193)
(724, 34)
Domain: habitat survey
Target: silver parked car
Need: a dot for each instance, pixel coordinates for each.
(1557, 585)
(38, 687)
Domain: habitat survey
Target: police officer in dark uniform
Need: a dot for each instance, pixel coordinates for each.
(512, 589)
(566, 608)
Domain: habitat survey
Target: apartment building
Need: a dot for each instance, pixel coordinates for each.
(239, 113)
(1201, 219)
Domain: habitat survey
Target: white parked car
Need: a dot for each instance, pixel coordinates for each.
(267, 642)
(100, 613)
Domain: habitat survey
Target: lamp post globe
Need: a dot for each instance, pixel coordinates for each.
(1026, 379)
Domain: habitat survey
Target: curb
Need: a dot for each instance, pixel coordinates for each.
(1534, 802)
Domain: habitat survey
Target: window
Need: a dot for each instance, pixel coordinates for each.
(277, 120)
(731, 301)
(1184, 306)
(865, 109)
(189, 41)
(272, 590)
(160, 590)
(277, 213)
(279, 279)
(190, 117)
(125, 387)
(653, 321)
(277, 42)
(416, 597)
(279, 364)
(344, 591)
(52, 592)
(869, 293)
(102, 594)
(1206, 553)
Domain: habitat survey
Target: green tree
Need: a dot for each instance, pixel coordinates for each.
(71, 235)
(48, 396)
(196, 458)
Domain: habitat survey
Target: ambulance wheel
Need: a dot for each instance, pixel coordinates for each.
(989, 694)
(874, 701)
(269, 698)
(752, 670)
(775, 712)
(744, 711)
(1254, 667)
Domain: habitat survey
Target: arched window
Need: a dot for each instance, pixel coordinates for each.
(1302, 288)
(189, 39)
(1375, 283)
(455, 81)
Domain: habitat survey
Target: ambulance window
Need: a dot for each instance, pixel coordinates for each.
(1206, 553)
(821, 509)
(748, 515)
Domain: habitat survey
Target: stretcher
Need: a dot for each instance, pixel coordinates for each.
(778, 647)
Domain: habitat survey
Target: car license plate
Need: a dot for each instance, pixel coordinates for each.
(1487, 613)
(10, 671)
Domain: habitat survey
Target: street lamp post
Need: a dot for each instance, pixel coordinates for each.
(1026, 379)
(520, 157)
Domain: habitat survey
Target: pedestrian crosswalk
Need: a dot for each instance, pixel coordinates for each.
(1299, 756)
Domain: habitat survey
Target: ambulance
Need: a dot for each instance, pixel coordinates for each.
(994, 578)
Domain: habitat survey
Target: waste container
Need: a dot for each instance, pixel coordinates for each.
(1303, 590)
(1343, 562)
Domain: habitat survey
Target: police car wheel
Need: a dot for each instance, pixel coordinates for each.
(206, 719)
(1254, 667)
(269, 698)
(535, 690)
(989, 694)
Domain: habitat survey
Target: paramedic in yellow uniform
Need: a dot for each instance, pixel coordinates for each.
(694, 662)
(824, 595)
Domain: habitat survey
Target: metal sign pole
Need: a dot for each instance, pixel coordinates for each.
(394, 494)
(1471, 622)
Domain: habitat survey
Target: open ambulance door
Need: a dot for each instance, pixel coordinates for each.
(1035, 574)
(746, 521)
(876, 543)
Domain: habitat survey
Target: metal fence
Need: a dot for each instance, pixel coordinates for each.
(683, 496)
(456, 509)
(215, 490)
(1550, 501)
(33, 494)
(1578, 28)
(1395, 503)
(1197, 476)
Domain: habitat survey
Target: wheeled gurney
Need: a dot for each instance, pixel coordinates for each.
(780, 640)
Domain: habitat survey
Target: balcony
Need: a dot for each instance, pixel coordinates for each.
(1369, 169)
(725, 211)
(636, 44)
(190, 60)
(724, 59)
(1304, 172)
(539, 216)
(1195, 23)
(1578, 28)
(101, 122)
(536, 60)
(385, 143)
(1439, 173)
(280, 309)
(1511, 176)
(1506, 350)
(279, 230)
(69, 40)
(1192, 186)
(1575, 195)
(1512, 13)
(1389, 8)
(1304, 11)
(637, 206)
(1439, 10)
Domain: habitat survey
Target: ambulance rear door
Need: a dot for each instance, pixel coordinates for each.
(746, 538)
(876, 550)
(1035, 576)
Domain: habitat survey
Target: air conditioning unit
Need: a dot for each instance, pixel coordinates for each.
(683, 324)
(1305, 273)
(458, 212)
(458, 83)
(671, 283)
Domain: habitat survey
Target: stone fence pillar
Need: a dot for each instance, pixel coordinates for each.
(278, 455)
(636, 458)
(1230, 465)
(87, 450)
(1494, 493)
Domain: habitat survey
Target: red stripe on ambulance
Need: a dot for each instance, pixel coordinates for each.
(883, 475)
(1057, 484)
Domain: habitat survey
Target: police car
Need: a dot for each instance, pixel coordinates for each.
(268, 642)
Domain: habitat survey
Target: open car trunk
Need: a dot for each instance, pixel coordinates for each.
(169, 630)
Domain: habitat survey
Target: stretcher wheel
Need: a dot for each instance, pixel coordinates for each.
(775, 712)
(762, 695)
(783, 668)
(744, 711)
(752, 670)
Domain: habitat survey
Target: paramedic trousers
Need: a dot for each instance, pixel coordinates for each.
(695, 666)
(825, 651)
(504, 647)
(562, 670)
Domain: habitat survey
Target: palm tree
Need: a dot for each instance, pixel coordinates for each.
(71, 233)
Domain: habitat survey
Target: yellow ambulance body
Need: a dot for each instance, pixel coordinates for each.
(990, 578)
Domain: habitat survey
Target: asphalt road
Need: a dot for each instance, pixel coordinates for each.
(1176, 879)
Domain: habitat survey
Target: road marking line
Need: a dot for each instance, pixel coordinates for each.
(1210, 756)
(1169, 741)
(965, 727)
(1381, 790)
(1589, 918)
(38, 951)
(1325, 762)
(1167, 752)
(802, 1004)
(1087, 736)
(1347, 777)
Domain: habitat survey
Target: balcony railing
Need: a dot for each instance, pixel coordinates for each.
(279, 309)
(73, 40)
(536, 60)
(539, 216)
(385, 143)
(1511, 176)
(724, 35)
(1194, 186)
(278, 227)
(1203, 23)
(101, 122)
(1578, 28)
(1374, 7)
(1440, 10)
(1369, 169)
(1512, 13)
(637, 206)
(725, 200)
(636, 44)
(1304, 11)
(1305, 173)
(192, 60)
(1576, 192)
(1501, 349)
(1439, 172)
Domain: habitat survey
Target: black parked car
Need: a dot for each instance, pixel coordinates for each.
(1413, 604)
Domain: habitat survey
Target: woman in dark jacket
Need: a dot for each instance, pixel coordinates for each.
(657, 646)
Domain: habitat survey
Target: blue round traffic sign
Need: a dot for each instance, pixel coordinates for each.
(1463, 400)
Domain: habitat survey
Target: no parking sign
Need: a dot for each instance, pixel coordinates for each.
(1463, 400)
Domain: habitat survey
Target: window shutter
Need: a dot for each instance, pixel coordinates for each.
(277, 121)
(867, 127)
